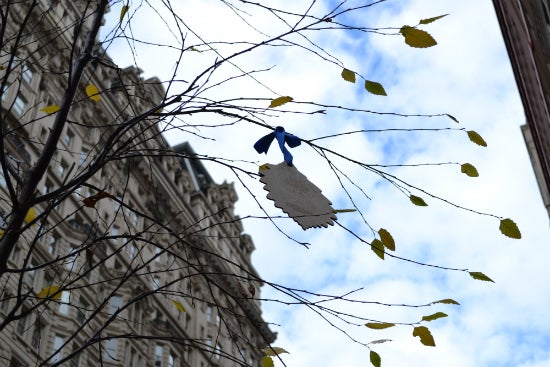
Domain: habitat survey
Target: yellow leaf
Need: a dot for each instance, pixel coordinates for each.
(375, 88)
(416, 37)
(267, 361)
(31, 215)
(426, 337)
(179, 306)
(434, 316)
(379, 325)
(509, 228)
(447, 301)
(378, 247)
(387, 239)
(469, 170)
(280, 101)
(375, 359)
(476, 138)
(92, 92)
(477, 275)
(433, 19)
(50, 292)
(418, 201)
(348, 75)
(273, 351)
(123, 11)
(50, 109)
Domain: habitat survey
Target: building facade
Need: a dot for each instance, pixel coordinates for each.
(525, 26)
(131, 255)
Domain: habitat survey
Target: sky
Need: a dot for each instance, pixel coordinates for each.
(467, 75)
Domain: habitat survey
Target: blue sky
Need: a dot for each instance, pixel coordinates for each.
(467, 75)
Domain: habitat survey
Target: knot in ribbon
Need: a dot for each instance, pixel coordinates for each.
(262, 145)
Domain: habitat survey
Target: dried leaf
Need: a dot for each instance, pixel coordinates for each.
(434, 316)
(426, 337)
(453, 118)
(447, 301)
(179, 306)
(509, 228)
(92, 92)
(418, 201)
(273, 351)
(480, 276)
(123, 11)
(469, 170)
(416, 37)
(91, 201)
(476, 138)
(387, 239)
(380, 341)
(433, 19)
(375, 88)
(280, 101)
(52, 292)
(379, 325)
(50, 109)
(348, 75)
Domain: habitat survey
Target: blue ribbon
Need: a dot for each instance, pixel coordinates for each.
(262, 145)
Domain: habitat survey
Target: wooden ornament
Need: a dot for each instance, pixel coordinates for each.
(298, 197)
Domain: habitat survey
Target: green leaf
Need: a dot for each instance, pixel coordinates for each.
(379, 325)
(469, 170)
(92, 92)
(50, 292)
(418, 201)
(387, 239)
(50, 109)
(430, 20)
(452, 118)
(375, 359)
(378, 247)
(375, 88)
(480, 276)
(416, 37)
(447, 301)
(509, 228)
(123, 11)
(179, 306)
(434, 316)
(267, 361)
(426, 337)
(280, 101)
(273, 351)
(476, 138)
(348, 75)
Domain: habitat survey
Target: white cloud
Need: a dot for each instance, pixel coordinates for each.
(467, 75)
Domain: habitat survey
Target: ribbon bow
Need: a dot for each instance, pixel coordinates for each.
(262, 145)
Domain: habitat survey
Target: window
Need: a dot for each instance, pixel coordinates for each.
(159, 352)
(209, 313)
(61, 168)
(19, 104)
(83, 156)
(64, 302)
(114, 304)
(58, 342)
(156, 281)
(209, 340)
(137, 316)
(5, 301)
(83, 308)
(68, 138)
(27, 75)
(171, 359)
(187, 321)
(36, 335)
(69, 262)
(22, 323)
(111, 349)
(52, 243)
(5, 92)
(48, 187)
(218, 320)
(2, 179)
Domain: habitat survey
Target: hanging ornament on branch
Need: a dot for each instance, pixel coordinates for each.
(290, 190)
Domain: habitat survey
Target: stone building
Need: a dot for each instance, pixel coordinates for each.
(525, 26)
(131, 255)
